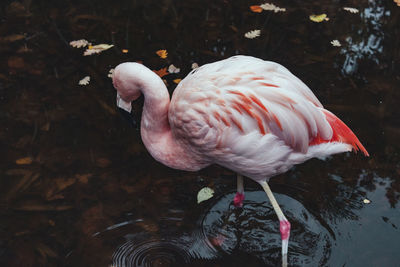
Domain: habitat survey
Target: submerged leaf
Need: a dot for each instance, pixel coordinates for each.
(162, 53)
(24, 161)
(204, 194)
(319, 18)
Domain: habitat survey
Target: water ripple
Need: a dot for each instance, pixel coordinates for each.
(150, 253)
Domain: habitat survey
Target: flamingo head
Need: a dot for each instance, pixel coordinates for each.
(127, 83)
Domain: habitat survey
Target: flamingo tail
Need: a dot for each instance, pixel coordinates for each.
(341, 133)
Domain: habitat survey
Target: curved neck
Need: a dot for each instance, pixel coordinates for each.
(155, 129)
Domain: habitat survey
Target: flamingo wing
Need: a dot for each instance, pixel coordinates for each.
(244, 110)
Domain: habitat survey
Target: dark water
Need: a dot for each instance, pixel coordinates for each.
(77, 187)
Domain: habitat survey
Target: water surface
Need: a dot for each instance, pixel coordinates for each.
(78, 188)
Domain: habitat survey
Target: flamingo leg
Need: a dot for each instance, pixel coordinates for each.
(284, 223)
(239, 197)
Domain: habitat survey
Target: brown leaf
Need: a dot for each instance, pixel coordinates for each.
(45, 251)
(103, 162)
(32, 206)
(24, 161)
(106, 107)
(45, 127)
(177, 81)
(22, 183)
(84, 178)
(58, 185)
(161, 72)
(16, 62)
(12, 38)
(256, 9)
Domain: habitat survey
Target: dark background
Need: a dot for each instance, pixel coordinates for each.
(78, 188)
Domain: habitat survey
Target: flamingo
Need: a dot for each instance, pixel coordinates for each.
(251, 116)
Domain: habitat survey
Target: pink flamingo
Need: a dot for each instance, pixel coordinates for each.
(246, 114)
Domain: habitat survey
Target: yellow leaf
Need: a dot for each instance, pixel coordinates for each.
(162, 53)
(256, 9)
(177, 81)
(161, 72)
(125, 51)
(366, 201)
(24, 161)
(204, 194)
(319, 18)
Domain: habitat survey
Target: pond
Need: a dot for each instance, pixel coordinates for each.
(78, 188)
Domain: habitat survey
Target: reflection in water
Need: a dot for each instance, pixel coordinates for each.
(369, 40)
(255, 230)
(225, 230)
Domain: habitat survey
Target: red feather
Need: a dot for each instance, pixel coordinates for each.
(341, 133)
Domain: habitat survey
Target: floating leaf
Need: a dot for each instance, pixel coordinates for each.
(177, 81)
(125, 51)
(319, 18)
(110, 73)
(96, 49)
(336, 43)
(162, 53)
(195, 65)
(256, 9)
(252, 34)
(272, 7)
(351, 9)
(204, 194)
(161, 72)
(85, 80)
(173, 69)
(366, 201)
(24, 161)
(79, 43)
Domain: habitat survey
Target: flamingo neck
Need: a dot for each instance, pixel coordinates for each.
(155, 128)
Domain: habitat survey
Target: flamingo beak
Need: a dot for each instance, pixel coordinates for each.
(127, 106)
(125, 109)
